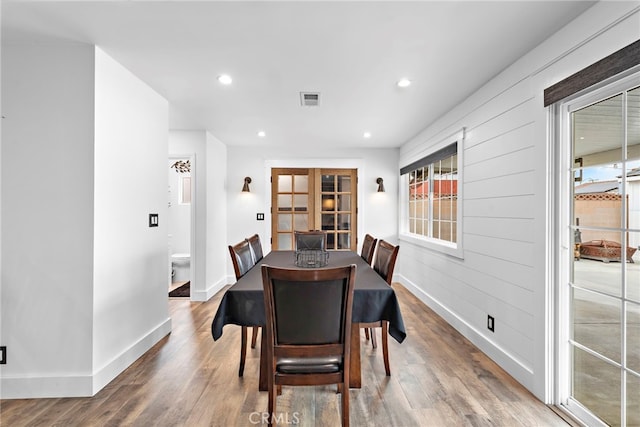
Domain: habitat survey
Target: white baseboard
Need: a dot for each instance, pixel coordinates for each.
(79, 385)
(210, 291)
(45, 387)
(516, 368)
(105, 375)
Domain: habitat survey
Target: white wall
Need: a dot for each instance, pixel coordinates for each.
(130, 259)
(506, 205)
(84, 280)
(217, 252)
(208, 206)
(377, 211)
(47, 219)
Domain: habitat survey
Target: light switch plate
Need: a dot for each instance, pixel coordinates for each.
(260, 217)
(153, 220)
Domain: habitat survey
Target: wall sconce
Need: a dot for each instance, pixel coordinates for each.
(245, 187)
(380, 183)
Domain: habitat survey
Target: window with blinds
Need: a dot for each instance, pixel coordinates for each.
(432, 197)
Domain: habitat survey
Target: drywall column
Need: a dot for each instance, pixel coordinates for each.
(47, 219)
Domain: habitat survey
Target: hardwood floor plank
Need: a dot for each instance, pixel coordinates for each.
(438, 378)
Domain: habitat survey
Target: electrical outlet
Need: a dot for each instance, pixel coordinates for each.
(153, 220)
(490, 323)
(3, 355)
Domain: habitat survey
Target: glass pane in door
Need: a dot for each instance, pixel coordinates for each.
(344, 183)
(343, 240)
(301, 184)
(596, 385)
(301, 222)
(284, 203)
(328, 183)
(344, 221)
(633, 337)
(284, 222)
(285, 183)
(595, 317)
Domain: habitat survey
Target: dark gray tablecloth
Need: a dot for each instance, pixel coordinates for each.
(373, 300)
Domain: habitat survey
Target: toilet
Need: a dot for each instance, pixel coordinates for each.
(180, 267)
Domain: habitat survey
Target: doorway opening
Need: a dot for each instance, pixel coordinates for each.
(179, 224)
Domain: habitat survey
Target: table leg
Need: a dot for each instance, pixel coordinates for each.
(355, 377)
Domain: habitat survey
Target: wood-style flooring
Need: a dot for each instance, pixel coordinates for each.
(438, 378)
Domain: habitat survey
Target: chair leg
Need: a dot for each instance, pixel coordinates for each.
(345, 403)
(385, 347)
(373, 338)
(243, 350)
(254, 336)
(366, 333)
(272, 399)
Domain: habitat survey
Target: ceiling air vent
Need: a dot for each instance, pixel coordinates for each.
(309, 99)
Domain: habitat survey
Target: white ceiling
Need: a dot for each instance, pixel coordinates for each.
(351, 52)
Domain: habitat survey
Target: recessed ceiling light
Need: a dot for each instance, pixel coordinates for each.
(366, 135)
(404, 83)
(262, 134)
(225, 79)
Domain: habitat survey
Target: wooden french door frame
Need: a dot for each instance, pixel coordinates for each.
(314, 198)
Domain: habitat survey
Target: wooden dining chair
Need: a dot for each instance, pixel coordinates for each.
(256, 253)
(308, 314)
(310, 240)
(368, 249)
(384, 263)
(242, 259)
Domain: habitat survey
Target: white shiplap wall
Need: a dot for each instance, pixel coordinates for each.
(506, 209)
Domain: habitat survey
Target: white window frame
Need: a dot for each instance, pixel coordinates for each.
(450, 248)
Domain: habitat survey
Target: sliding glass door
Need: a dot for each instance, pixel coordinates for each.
(601, 309)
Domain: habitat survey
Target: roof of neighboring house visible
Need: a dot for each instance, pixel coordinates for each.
(597, 187)
(634, 172)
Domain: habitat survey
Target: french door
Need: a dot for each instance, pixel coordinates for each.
(305, 199)
(600, 301)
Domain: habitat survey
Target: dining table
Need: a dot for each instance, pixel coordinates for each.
(374, 300)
